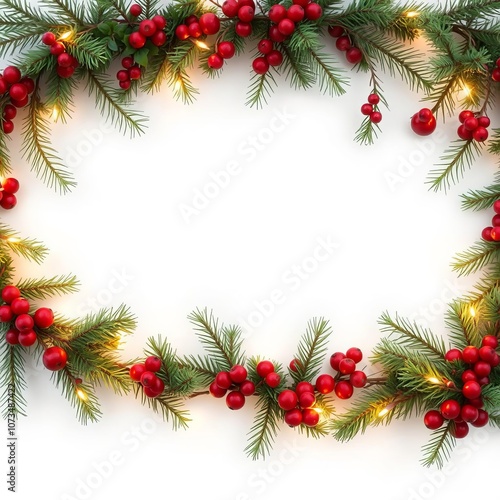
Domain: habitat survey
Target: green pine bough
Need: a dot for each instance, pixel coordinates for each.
(62, 45)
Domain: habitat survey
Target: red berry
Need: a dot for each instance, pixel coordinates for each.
(8, 126)
(9, 112)
(325, 384)
(238, 374)
(495, 221)
(376, 117)
(423, 127)
(11, 74)
(156, 388)
(484, 121)
(147, 28)
(226, 49)
(480, 134)
(367, 109)
(58, 48)
(137, 40)
(9, 201)
(358, 379)
(310, 417)
(287, 399)
(495, 75)
(286, 27)
(354, 55)
(483, 381)
(247, 388)
(260, 65)
(135, 73)
(469, 413)
(471, 389)
(223, 380)
(495, 233)
(64, 72)
(343, 43)
(482, 369)
(459, 429)
(307, 399)
(152, 363)
(335, 31)
(264, 368)
(194, 30)
(293, 417)
(296, 13)
(192, 19)
(27, 338)
(468, 375)
(10, 185)
(433, 420)
(43, 317)
(20, 306)
(216, 391)
(159, 38)
(347, 366)
(344, 390)
(6, 314)
(3, 85)
(136, 371)
(495, 361)
(272, 379)
(243, 29)
(135, 10)
(304, 387)
(210, 23)
(481, 420)
(125, 85)
(373, 99)
(160, 21)
(48, 38)
(246, 14)
(471, 123)
(277, 13)
(302, 3)
(488, 340)
(265, 46)
(487, 354)
(55, 358)
(313, 11)
(275, 34)
(335, 360)
(496, 207)
(294, 365)
(148, 379)
(122, 75)
(450, 409)
(235, 400)
(470, 354)
(64, 60)
(453, 355)
(9, 293)
(18, 92)
(464, 115)
(230, 8)
(477, 403)
(182, 32)
(274, 58)
(355, 354)
(249, 3)
(464, 134)
(486, 234)
(12, 336)
(215, 61)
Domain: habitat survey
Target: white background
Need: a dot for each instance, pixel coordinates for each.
(309, 182)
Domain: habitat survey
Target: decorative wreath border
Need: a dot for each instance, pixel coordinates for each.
(62, 43)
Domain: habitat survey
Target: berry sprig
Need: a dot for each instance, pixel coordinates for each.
(370, 108)
(495, 74)
(492, 233)
(195, 27)
(131, 71)
(473, 126)
(148, 30)
(343, 43)
(9, 188)
(236, 382)
(14, 91)
(467, 408)
(15, 311)
(146, 374)
(66, 63)
(348, 377)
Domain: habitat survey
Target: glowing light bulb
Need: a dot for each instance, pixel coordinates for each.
(66, 36)
(202, 45)
(433, 380)
(178, 85)
(472, 311)
(412, 13)
(81, 395)
(55, 113)
(13, 239)
(383, 413)
(467, 90)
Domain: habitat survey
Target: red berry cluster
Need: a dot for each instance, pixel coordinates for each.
(244, 10)
(145, 374)
(495, 74)
(194, 27)
(472, 126)
(236, 381)
(148, 29)
(131, 71)
(370, 108)
(225, 50)
(344, 44)
(423, 122)
(480, 362)
(347, 376)
(270, 55)
(15, 310)
(10, 187)
(16, 89)
(66, 63)
(298, 405)
(492, 233)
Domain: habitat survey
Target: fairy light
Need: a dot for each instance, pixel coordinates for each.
(81, 395)
(467, 90)
(55, 113)
(412, 13)
(472, 311)
(13, 239)
(178, 85)
(384, 412)
(201, 45)
(433, 380)
(65, 37)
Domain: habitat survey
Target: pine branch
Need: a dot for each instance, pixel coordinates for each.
(149, 7)
(68, 10)
(329, 78)
(24, 247)
(205, 366)
(411, 335)
(12, 381)
(108, 100)
(60, 96)
(158, 71)
(92, 53)
(455, 160)
(481, 199)
(5, 168)
(40, 289)
(39, 153)
(367, 132)
(462, 325)
(264, 429)
(297, 70)
(260, 89)
(478, 256)
(312, 349)
(439, 448)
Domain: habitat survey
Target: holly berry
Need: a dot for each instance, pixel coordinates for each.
(470, 354)
(9, 293)
(423, 122)
(471, 389)
(304, 387)
(433, 420)
(376, 117)
(325, 384)
(277, 13)
(148, 379)
(223, 380)
(160, 21)
(313, 11)
(307, 399)
(12, 336)
(450, 409)
(335, 360)
(310, 417)
(152, 363)
(215, 61)
(488, 340)
(286, 27)
(147, 28)
(226, 49)
(137, 40)
(6, 314)
(294, 364)
(27, 338)
(469, 413)
(353, 55)
(287, 399)
(344, 389)
(343, 43)
(459, 429)
(247, 388)
(44, 317)
(136, 371)
(293, 417)
(358, 379)
(482, 368)
(238, 374)
(487, 354)
(48, 38)
(235, 400)
(11, 74)
(272, 379)
(135, 10)
(264, 368)
(246, 13)
(482, 419)
(230, 8)
(216, 391)
(10, 185)
(54, 358)
(296, 13)
(335, 31)
(24, 322)
(182, 32)
(243, 29)
(156, 388)
(274, 58)
(210, 23)
(347, 366)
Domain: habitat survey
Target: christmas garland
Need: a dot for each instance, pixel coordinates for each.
(62, 43)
